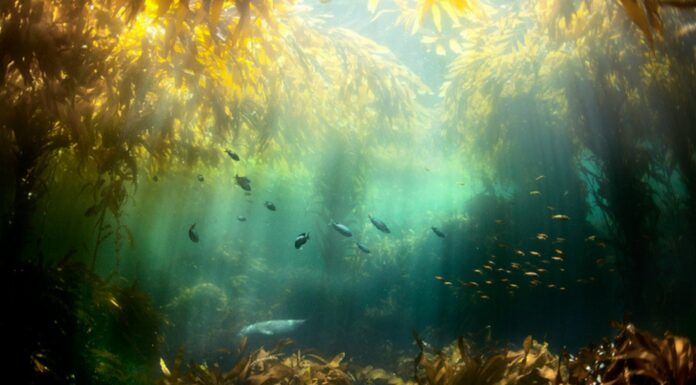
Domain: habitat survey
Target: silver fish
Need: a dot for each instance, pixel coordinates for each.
(272, 327)
(362, 247)
(381, 226)
(343, 229)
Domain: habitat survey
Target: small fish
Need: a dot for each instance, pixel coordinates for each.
(343, 229)
(447, 283)
(488, 282)
(557, 258)
(540, 177)
(542, 237)
(478, 271)
(379, 224)
(269, 205)
(232, 155)
(193, 234)
(535, 253)
(241, 218)
(519, 252)
(488, 267)
(301, 240)
(437, 232)
(439, 278)
(560, 217)
(531, 274)
(200, 178)
(155, 178)
(469, 284)
(513, 286)
(591, 238)
(243, 182)
(515, 265)
(535, 193)
(558, 251)
(362, 247)
(484, 297)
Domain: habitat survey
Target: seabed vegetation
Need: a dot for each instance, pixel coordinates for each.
(348, 192)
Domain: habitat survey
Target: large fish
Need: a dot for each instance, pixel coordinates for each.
(343, 229)
(272, 327)
(381, 226)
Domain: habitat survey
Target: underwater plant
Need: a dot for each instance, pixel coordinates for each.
(68, 326)
(262, 367)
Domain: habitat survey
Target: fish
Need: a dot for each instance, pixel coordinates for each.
(272, 327)
(469, 284)
(269, 205)
(343, 229)
(560, 217)
(535, 253)
(193, 234)
(542, 236)
(243, 182)
(155, 178)
(362, 247)
(379, 224)
(535, 193)
(232, 155)
(200, 178)
(540, 177)
(557, 258)
(439, 278)
(301, 240)
(531, 274)
(437, 232)
(241, 218)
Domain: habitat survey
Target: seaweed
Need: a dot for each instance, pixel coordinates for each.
(636, 357)
(262, 367)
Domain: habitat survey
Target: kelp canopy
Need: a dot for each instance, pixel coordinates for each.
(534, 160)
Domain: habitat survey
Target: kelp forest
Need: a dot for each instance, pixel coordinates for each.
(316, 192)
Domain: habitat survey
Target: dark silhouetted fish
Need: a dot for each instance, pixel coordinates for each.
(301, 240)
(200, 178)
(232, 154)
(379, 224)
(243, 182)
(155, 178)
(362, 247)
(343, 229)
(241, 218)
(269, 205)
(193, 234)
(438, 232)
